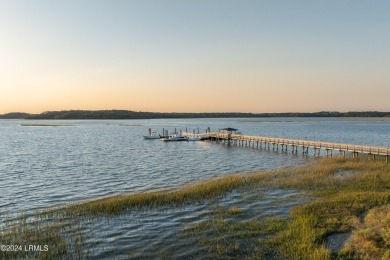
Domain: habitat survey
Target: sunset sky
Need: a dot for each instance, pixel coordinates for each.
(195, 56)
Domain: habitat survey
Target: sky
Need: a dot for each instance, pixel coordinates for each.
(195, 56)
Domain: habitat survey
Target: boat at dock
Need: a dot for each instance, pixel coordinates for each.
(152, 136)
(174, 138)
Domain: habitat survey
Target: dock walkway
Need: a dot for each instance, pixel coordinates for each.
(260, 141)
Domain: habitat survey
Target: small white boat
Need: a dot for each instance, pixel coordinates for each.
(152, 136)
(174, 138)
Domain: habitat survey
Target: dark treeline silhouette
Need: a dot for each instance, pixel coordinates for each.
(15, 115)
(128, 114)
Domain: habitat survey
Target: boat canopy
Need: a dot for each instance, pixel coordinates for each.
(229, 129)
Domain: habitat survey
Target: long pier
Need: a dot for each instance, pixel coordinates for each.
(282, 143)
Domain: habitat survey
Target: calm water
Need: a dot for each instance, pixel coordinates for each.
(43, 166)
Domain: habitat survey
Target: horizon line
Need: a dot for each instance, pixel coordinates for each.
(204, 112)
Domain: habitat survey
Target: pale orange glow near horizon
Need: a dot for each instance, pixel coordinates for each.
(194, 97)
(194, 57)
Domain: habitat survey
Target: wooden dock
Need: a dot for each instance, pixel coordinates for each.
(281, 143)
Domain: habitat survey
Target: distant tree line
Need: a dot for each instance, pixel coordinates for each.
(14, 115)
(128, 114)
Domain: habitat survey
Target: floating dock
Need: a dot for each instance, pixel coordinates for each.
(282, 144)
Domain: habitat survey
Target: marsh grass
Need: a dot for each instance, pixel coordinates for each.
(235, 211)
(53, 239)
(52, 125)
(371, 239)
(130, 125)
(118, 204)
(58, 225)
(224, 237)
(339, 204)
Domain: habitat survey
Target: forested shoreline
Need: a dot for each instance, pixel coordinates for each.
(128, 114)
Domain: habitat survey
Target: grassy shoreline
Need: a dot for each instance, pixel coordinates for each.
(348, 195)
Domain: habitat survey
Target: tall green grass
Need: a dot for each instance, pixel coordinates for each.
(52, 239)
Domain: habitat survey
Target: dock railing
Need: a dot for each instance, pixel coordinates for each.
(363, 149)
